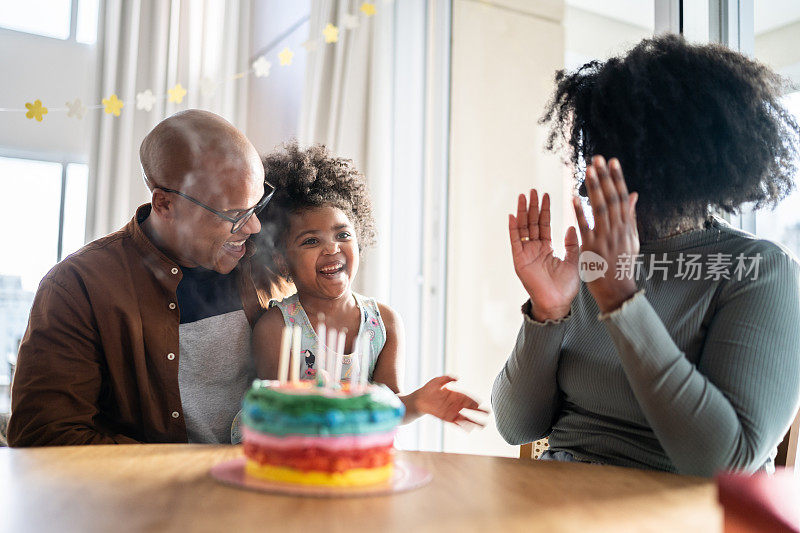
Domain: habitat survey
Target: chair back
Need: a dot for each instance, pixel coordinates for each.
(787, 450)
(533, 450)
(3, 429)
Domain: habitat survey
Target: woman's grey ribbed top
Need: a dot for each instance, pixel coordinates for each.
(689, 375)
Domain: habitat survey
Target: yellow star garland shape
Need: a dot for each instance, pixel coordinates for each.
(368, 9)
(331, 33)
(36, 110)
(177, 93)
(286, 56)
(113, 105)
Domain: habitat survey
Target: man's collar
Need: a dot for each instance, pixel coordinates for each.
(166, 271)
(157, 261)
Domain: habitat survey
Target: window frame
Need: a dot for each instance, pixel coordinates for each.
(64, 162)
(732, 24)
(73, 29)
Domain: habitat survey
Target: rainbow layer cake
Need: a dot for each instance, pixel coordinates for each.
(302, 433)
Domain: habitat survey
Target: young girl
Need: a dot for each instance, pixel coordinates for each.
(313, 231)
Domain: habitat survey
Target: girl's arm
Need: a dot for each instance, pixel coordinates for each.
(389, 367)
(267, 343)
(432, 398)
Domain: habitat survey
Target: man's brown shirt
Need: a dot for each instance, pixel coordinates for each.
(98, 363)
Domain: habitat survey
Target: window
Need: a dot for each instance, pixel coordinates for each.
(42, 220)
(59, 19)
(600, 30)
(50, 18)
(783, 223)
(503, 61)
(43, 208)
(777, 43)
(86, 31)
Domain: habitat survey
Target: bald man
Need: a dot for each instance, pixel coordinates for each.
(144, 335)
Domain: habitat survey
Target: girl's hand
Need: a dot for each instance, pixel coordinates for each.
(552, 283)
(435, 399)
(614, 234)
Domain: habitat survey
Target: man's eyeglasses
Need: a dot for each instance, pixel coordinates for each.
(241, 219)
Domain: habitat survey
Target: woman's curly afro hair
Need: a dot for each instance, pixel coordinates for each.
(309, 178)
(694, 126)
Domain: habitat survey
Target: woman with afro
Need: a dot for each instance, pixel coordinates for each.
(668, 340)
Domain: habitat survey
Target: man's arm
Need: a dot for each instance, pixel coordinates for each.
(57, 382)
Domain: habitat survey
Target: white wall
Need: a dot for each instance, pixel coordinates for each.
(504, 56)
(503, 60)
(592, 35)
(780, 48)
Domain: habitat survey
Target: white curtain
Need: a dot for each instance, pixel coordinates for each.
(348, 106)
(154, 44)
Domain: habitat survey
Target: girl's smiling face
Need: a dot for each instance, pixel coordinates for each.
(322, 252)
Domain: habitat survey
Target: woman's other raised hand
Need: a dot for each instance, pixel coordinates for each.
(552, 283)
(614, 235)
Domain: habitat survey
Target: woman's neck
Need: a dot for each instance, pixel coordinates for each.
(654, 231)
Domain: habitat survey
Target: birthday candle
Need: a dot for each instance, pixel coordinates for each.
(283, 362)
(330, 360)
(322, 352)
(355, 363)
(337, 369)
(364, 353)
(339, 354)
(295, 367)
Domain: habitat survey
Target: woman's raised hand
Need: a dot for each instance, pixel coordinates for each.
(552, 283)
(614, 235)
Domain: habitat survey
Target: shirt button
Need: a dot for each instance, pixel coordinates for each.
(172, 305)
(170, 356)
(175, 414)
(174, 270)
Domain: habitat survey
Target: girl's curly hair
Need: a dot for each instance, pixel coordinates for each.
(693, 126)
(304, 179)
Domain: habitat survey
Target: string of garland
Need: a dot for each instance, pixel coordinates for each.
(145, 100)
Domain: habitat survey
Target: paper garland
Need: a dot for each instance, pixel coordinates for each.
(145, 100)
(368, 9)
(350, 22)
(113, 105)
(208, 87)
(331, 33)
(36, 110)
(286, 56)
(76, 109)
(261, 67)
(176, 94)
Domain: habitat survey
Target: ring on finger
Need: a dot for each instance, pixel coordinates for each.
(524, 239)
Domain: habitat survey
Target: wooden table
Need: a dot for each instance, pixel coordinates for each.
(166, 487)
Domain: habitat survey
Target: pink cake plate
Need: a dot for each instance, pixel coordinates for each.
(407, 476)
